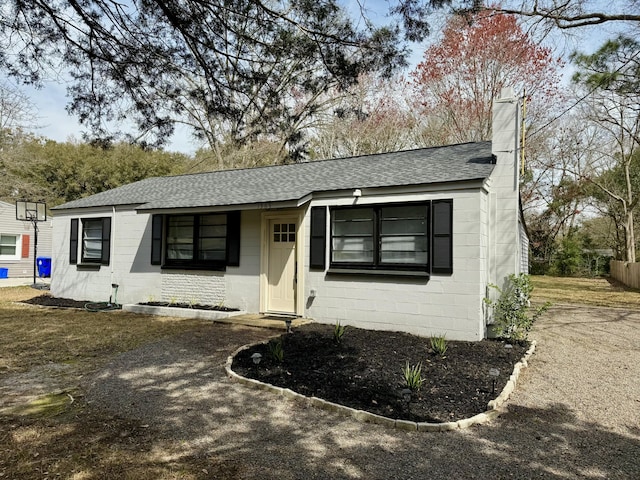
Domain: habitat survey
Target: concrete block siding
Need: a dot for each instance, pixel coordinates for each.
(138, 280)
(442, 304)
(129, 267)
(193, 287)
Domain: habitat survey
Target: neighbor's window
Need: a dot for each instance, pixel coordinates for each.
(8, 246)
(381, 237)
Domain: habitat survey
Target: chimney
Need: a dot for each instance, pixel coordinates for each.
(504, 193)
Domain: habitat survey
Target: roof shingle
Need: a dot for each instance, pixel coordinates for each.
(452, 163)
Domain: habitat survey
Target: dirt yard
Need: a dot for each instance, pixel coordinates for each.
(112, 395)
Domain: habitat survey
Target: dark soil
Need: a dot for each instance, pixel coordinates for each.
(364, 371)
(196, 306)
(49, 301)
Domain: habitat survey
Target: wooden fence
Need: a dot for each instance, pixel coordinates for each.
(627, 273)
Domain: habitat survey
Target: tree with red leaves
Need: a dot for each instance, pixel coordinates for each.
(478, 55)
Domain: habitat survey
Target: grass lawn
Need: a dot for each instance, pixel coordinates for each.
(585, 291)
(56, 434)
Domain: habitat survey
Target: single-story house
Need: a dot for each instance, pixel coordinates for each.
(17, 239)
(408, 240)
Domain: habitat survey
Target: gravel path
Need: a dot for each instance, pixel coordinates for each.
(575, 413)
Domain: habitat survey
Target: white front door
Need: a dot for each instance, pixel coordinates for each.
(281, 270)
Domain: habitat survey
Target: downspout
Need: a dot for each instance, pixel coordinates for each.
(113, 247)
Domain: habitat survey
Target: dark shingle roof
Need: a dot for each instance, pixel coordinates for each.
(452, 163)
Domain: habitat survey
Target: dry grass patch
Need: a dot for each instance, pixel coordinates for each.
(47, 430)
(32, 336)
(586, 291)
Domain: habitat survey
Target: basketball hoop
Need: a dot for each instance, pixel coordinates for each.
(31, 211)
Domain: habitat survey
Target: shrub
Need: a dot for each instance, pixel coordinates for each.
(413, 376)
(276, 350)
(338, 332)
(439, 345)
(511, 311)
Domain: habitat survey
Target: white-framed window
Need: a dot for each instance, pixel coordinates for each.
(10, 247)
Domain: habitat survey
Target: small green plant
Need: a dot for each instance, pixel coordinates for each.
(151, 299)
(413, 376)
(511, 310)
(173, 300)
(439, 345)
(338, 332)
(276, 350)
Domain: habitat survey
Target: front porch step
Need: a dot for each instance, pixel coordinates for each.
(234, 318)
(277, 322)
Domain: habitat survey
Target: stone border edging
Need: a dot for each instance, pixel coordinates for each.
(493, 407)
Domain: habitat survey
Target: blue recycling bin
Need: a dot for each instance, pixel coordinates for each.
(44, 266)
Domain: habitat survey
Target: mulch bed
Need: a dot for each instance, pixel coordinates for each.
(196, 306)
(364, 371)
(50, 301)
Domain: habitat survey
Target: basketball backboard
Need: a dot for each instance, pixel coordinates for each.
(31, 211)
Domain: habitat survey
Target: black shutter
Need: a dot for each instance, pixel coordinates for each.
(106, 241)
(233, 239)
(317, 249)
(442, 236)
(156, 239)
(73, 244)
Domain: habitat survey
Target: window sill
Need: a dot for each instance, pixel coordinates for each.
(195, 267)
(388, 273)
(88, 266)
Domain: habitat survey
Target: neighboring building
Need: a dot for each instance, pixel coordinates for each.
(16, 242)
(405, 241)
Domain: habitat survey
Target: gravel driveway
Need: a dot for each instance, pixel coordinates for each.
(575, 412)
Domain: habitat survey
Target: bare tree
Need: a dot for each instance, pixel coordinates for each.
(371, 117)
(17, 112)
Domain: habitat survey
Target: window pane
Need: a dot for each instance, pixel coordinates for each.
(212, 249)
(92, 239)
(180, 237)
(180, 252)
(8, 244)
(212, 235)
(213, 231)
(213, 220)
(352, 235)
(403, 235)
(353, 249)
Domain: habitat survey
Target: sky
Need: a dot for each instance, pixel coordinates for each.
(54, 122)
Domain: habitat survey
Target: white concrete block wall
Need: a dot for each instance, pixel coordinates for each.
(243, 282)
(139, 281)
(442, 304)
(129, 267)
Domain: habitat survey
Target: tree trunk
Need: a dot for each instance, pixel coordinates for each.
(630, 237)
